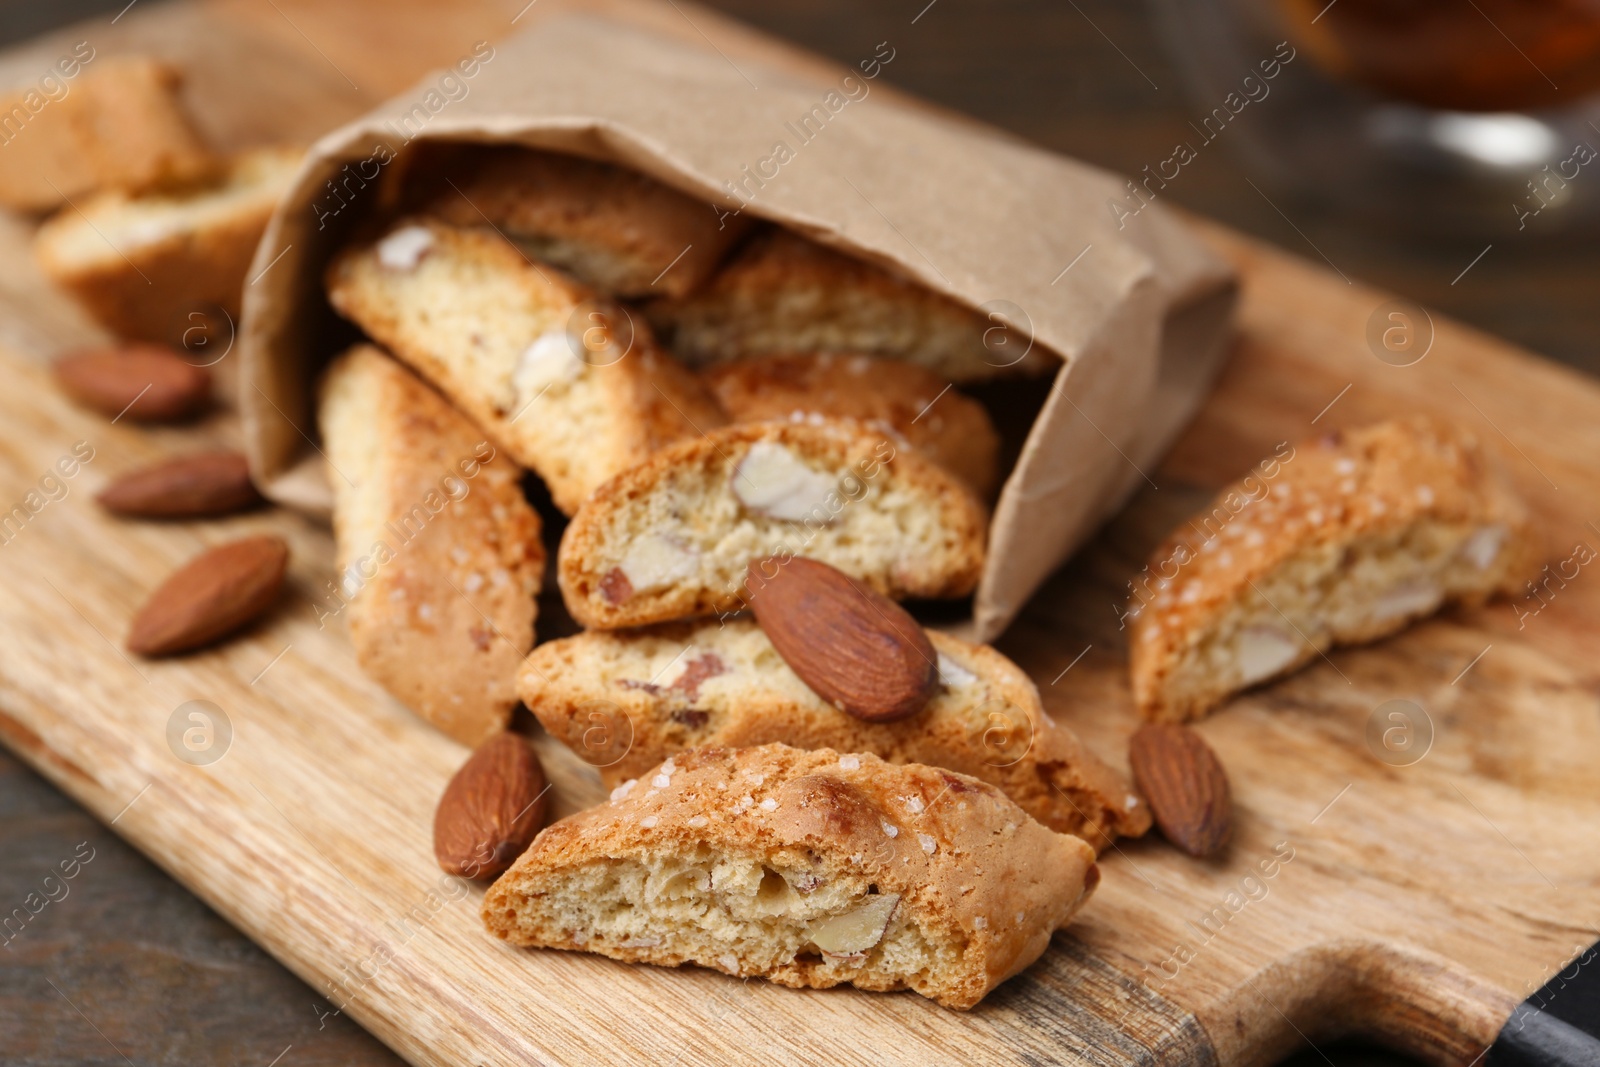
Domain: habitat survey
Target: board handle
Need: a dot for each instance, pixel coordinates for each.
(1404, 998)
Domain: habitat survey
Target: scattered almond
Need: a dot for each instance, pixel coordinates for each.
(1182, 779)
(491, 810)
(855, 648)
(212, 595)
(211, 483)
(141, 382)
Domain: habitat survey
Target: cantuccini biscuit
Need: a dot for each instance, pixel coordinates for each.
(1346, 538)
(655, 692)
(672, 537)
(143, 263)
(950, 428)
(114, 122)
(781, 293)
(439, 553)
(618, 230)
(575, 389)
(810, 869)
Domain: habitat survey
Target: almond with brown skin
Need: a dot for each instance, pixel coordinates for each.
(212, 595)
(140, 382)
(491, 810)
(1185, 784)
(855, 648)
(210, 483)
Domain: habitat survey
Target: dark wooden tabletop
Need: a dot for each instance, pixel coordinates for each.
(129, 968)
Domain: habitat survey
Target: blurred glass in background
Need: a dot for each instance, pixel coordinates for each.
(1473, 118)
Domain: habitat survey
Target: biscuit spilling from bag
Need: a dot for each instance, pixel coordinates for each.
(611, 227)
(810, 869)
(671, 538)
(439, 553)
(143, 264)
(661, 690)
(781, 293)
(118, 124)
(951, 429)
(1350, 537)
(573, 388)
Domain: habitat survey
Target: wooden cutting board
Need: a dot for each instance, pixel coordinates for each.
(1415, 903)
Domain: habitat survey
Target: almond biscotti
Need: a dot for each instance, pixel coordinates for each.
(781, 293)
(809, 869)
(1349, 538)
(671, 538)
(114, 122)
(143, 263)
(613, 228)
(576, 390)
(685, 685)
(439, 553)
(951, 429)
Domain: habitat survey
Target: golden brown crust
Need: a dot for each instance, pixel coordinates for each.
(661, 690)
(895, 520)
(971, 868)
(622, 232)
(439, 553)
(157, 288)
(576, 427)
(952, 429)
(781, 293)
(1339, 506)
(118, 126)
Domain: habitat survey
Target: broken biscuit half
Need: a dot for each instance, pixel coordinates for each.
(657, 691)
(809, 869)
(571, 386)
(439, 554)
(1348, 538)
(672, 538)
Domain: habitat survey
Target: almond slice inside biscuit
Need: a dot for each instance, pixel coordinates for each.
(772, 480)
(854, 932)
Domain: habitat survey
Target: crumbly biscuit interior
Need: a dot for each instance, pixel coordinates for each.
(506, 336)
(732, 911)
(1338, 593)
(878, 529)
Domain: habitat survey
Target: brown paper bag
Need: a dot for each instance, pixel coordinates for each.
(1137, 310)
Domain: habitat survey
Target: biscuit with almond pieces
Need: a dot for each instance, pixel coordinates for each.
(574, 388)
(672, 537)
(687, 685)
(950, 428)
(809, 869)
(1353, 537)
(439, 552)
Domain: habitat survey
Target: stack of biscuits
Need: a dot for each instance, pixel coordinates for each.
(696, 393)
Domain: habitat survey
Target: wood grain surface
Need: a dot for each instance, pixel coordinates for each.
(1417, 903)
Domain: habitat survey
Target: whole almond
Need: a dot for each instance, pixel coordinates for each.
(1184, 782)
(855, 648)
(212, 595)
(210, 483)
(141, 382)
(491, 809)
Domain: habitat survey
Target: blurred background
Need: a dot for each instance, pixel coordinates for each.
(1439, 150)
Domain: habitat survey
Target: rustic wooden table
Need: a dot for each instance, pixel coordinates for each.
(158, 978)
